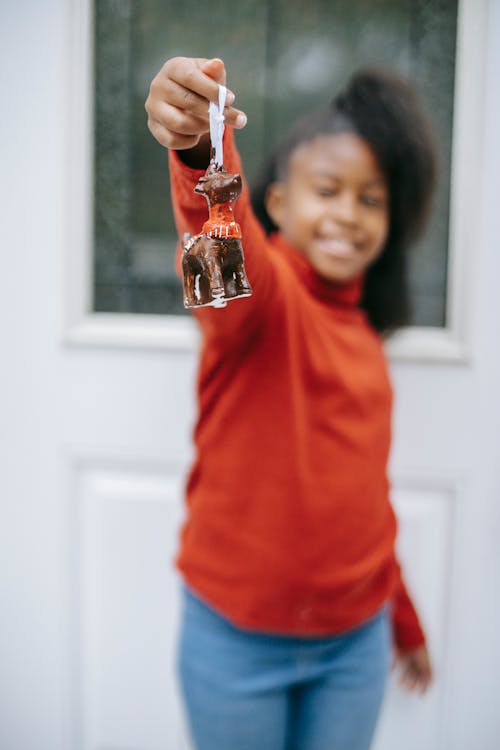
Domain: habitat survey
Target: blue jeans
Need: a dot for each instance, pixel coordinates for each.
(245, 690)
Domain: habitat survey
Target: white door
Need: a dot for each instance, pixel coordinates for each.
(96, 419)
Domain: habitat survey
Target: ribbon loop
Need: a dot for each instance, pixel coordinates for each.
(216, 114)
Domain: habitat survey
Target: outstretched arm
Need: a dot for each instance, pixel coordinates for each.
(177, 108)
(178, 118)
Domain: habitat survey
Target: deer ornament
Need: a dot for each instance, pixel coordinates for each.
(212, 261)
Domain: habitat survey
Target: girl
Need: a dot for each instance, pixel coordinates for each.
(293, 594)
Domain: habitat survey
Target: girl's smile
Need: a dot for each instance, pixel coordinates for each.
(333, 205)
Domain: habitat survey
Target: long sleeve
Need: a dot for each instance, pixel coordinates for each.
(190, 212)
(407, 629)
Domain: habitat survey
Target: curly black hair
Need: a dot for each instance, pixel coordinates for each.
(383, 109)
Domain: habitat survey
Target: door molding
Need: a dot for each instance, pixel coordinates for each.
(112, 565)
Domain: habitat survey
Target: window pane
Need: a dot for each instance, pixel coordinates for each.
(283, 58)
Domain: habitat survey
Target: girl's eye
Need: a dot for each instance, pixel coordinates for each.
(373, 201)
(325, 192)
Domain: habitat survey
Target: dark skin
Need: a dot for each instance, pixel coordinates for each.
(177, 108)
(415, 670)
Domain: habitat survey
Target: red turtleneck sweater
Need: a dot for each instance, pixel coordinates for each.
(289, 524)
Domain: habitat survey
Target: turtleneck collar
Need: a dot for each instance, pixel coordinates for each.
(345, 295)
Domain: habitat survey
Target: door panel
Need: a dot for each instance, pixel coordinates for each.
(125, 524)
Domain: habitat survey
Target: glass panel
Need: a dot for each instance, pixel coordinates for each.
(283, 57)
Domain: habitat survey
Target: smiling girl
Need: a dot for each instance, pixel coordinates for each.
(293, 596)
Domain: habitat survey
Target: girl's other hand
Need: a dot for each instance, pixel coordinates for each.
(415, 669)
(179, 95)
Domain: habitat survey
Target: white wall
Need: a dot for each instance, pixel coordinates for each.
(32, 61)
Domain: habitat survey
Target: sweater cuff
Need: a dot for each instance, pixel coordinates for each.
(183, 177)
(407, 630)
(186, 177)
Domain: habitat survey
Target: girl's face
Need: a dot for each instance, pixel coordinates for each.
(333, 206)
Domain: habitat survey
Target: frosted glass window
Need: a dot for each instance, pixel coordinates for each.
(283, 57)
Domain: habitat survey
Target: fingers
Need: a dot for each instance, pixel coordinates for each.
(409, 680)
(177, 104)
(414, 679)
(214, 68)
(419, 683)
(169, 139)
(178, 120)
(199, 75)
(416, 670)
(168, 91)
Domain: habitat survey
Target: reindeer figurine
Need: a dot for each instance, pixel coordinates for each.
(212, 261)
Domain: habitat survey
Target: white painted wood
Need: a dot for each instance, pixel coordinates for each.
(96, 419)
(125, 523)
(426, 513)
(160, 332)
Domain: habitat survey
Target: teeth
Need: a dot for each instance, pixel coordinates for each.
(336, 246)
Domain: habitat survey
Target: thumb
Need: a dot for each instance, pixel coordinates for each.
(215, 69)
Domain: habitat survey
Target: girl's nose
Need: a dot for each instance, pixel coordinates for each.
(345, 208)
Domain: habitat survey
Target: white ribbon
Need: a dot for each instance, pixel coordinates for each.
(216, 113)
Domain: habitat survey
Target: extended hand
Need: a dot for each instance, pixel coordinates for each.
(177, 104)
(415, 669)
